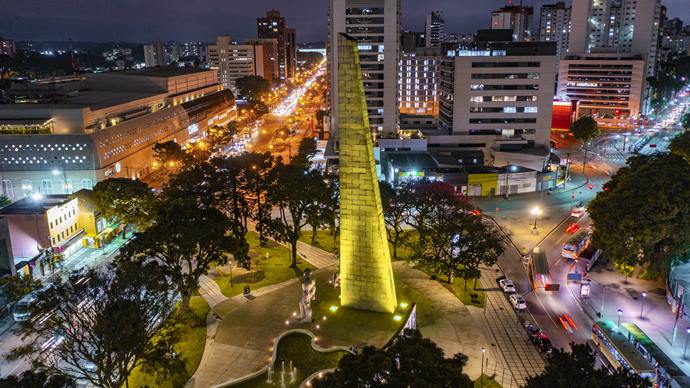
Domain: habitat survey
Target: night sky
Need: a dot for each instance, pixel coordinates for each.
(187, 20)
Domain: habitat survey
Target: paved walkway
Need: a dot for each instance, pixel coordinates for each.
(210, 291)
(316, 256)
(519, 354)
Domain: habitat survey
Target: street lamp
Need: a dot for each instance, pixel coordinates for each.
(644, 295)
(536, 211)
(620, 312)
(481, 375)
(687, 335)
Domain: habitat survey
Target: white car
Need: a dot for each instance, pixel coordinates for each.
(518, 302)
(507, 285)
(577, 212)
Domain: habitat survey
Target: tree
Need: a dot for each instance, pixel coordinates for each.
(643, 215)
(685, 121)
(298, 195)
(585, 129)
(396, 210)
(220, 135)
(458, 241)
(411, 361)
(575, 369)
(128, 201)
(16, 287)
(425, 197)
(169, 154)
(305, 151)
(257, 174)
(100, 327)
(252, 87)
(37, 379)
(186, 240)
(4, 201)
(680, 145)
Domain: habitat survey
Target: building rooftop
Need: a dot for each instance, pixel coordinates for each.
(164, 71)
(38, 205)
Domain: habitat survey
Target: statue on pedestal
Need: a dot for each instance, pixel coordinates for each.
(308, 294)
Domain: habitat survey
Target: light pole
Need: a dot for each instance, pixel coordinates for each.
(536, 211)
(603, 296)
(481, 376)
(644, 295)
(620, 312)
(687, 335)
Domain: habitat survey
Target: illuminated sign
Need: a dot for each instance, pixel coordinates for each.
(193, 128)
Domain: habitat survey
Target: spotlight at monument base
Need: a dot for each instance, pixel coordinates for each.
(397, 317)
(403, 305)
(333, 308)
(294, 314)
(318, 327)
(324, 317)
(287, 323)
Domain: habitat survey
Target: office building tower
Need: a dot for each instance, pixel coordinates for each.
(622, 26)
(155, 55)
(554, 26)
(516, 18)
(194, 49)
(235, 61)
(498, 99)
(274, 26)
(606, 86)
(271, 45)
(87, 128)
(434, 29)
(375, 24)
(419, 79)
(411, 40)
(7, 47)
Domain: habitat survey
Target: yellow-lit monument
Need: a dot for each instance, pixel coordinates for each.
(366, 275)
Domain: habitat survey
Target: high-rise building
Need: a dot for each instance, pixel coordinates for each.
(498, 99)
(554, 26)
(7, 47)
(606, 86)
(271, 45)
(375, 24)
(274, 26)
(516, 18)
(622, 26)
(419, 79)
(235, 61)
(434, 29)
(194, 49)
(155, 55)
(411, 40)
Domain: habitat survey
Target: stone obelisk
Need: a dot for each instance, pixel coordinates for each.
(366, 274)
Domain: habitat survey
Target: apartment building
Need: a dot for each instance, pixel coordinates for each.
(375, 24)
(274, 26)
(554, 26)
(155, 54)
(514, 17)
(419, 79)
(234, 61)
(434, 29)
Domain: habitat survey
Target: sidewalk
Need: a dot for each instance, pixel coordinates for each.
(609, 290)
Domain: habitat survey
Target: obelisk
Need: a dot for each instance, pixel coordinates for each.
(366, 275)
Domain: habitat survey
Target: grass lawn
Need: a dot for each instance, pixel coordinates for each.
(190, 348)
(324, 240)
(275, 269)
(296, 348)
(466, 292)
(486, 382)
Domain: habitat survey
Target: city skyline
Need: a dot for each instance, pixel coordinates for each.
(132, 21)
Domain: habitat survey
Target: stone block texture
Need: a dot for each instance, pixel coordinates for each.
(365, 264)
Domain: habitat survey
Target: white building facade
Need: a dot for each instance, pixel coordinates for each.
(554, 26)
(235, 61)
(375, 24)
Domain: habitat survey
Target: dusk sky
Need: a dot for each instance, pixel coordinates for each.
(186, 20)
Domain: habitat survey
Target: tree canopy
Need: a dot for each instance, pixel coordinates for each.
(128, 201)
(99, 327)
(396, 210)
(575, 369)
(585, 129)
(642, 217)
(411, 361)
(252, 87)
(680, 145)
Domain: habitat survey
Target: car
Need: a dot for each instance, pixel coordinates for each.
(20, 311)
(543, 342)
(518, 302)
(574, 227)
(652, 146)
(577, 212)
(507, 285)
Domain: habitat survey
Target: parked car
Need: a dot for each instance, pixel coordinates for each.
(543, 342)
(507, 285)
(21, 312)
(518, 302)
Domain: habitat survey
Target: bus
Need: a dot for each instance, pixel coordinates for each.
(668, 373)
(574, 247)
(619, 351)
